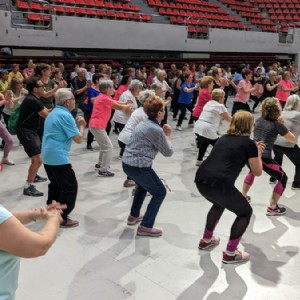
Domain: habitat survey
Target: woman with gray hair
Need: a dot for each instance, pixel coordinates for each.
(100, 116)
(136, 117)
(59, 131)
(291, 118)
(129, 96)
(157, 87)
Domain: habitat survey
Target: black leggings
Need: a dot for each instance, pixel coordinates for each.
(229, 198)
(183, 108)
(293, 155)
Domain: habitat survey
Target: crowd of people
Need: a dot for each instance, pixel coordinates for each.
(53, 108)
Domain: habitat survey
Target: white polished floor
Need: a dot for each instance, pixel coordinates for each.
(103, 258)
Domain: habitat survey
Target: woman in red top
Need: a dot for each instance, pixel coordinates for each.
(206, 84)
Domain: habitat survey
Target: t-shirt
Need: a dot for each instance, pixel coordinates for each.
(292, 122)
(29, 117)
(9, 266)
(267, 131)
(280, 94)
(78, 84)
(48, 102)
(60, 128)
(28, 72)
(210, 118)
(3, 86)
(267, 93)
(237, 78)
(204, 97)
(92, 93)
(121, 89)
(120, 116)
(226, 160)
(136, 117)
(17, 75)
(241, 96)
(101, 111)
(186, 97)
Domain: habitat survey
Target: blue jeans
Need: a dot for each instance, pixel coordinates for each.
(146, 181)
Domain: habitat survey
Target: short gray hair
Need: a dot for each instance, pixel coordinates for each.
(292, 103)
(145, 95)
(156, 85)
(105, 84)
(62, 95)
(135, 84)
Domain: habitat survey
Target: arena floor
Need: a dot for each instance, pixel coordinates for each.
(103, 258)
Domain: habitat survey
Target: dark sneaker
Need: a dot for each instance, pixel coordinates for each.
(134, 220)
(97, 167)
(146, 231)
(89, 147)
(69, 223)
(277, 211)
(32, 191)
(272, 180)
(295, 186)
(106, 174)
(203, 245)
(38, 178)
(237, 257)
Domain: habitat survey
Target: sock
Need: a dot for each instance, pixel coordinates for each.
(207, 235)
(27, 185)
(232, 245)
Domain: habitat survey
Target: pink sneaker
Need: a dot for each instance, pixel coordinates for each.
(134, 220)
(236, 257)
(203, 245)
(146, 231)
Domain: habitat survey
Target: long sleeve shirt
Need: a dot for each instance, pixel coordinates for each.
(146, 141)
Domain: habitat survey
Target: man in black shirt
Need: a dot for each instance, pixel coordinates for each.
(80, 86)
(29, 121)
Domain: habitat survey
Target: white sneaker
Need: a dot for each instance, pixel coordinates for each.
(7, 161)
(178, 128)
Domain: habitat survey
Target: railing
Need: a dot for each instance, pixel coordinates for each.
(44, 19)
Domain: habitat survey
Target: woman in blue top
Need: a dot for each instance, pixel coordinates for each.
(92, 93)
(185, 99)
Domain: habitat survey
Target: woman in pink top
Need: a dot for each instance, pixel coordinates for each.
(285, 88)
(100, 116)
(244, 90)
(206, 85)
(123, 87)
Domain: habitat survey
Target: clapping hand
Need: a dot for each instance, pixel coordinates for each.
(260, 146)
(80, 121)
(167, 129)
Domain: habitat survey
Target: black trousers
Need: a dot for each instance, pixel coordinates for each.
(183, 108)
(240, 106)
(90, 137)
(293, 155)
(165, 120)
(63, 186)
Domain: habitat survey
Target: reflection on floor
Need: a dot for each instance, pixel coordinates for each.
(103, 258)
